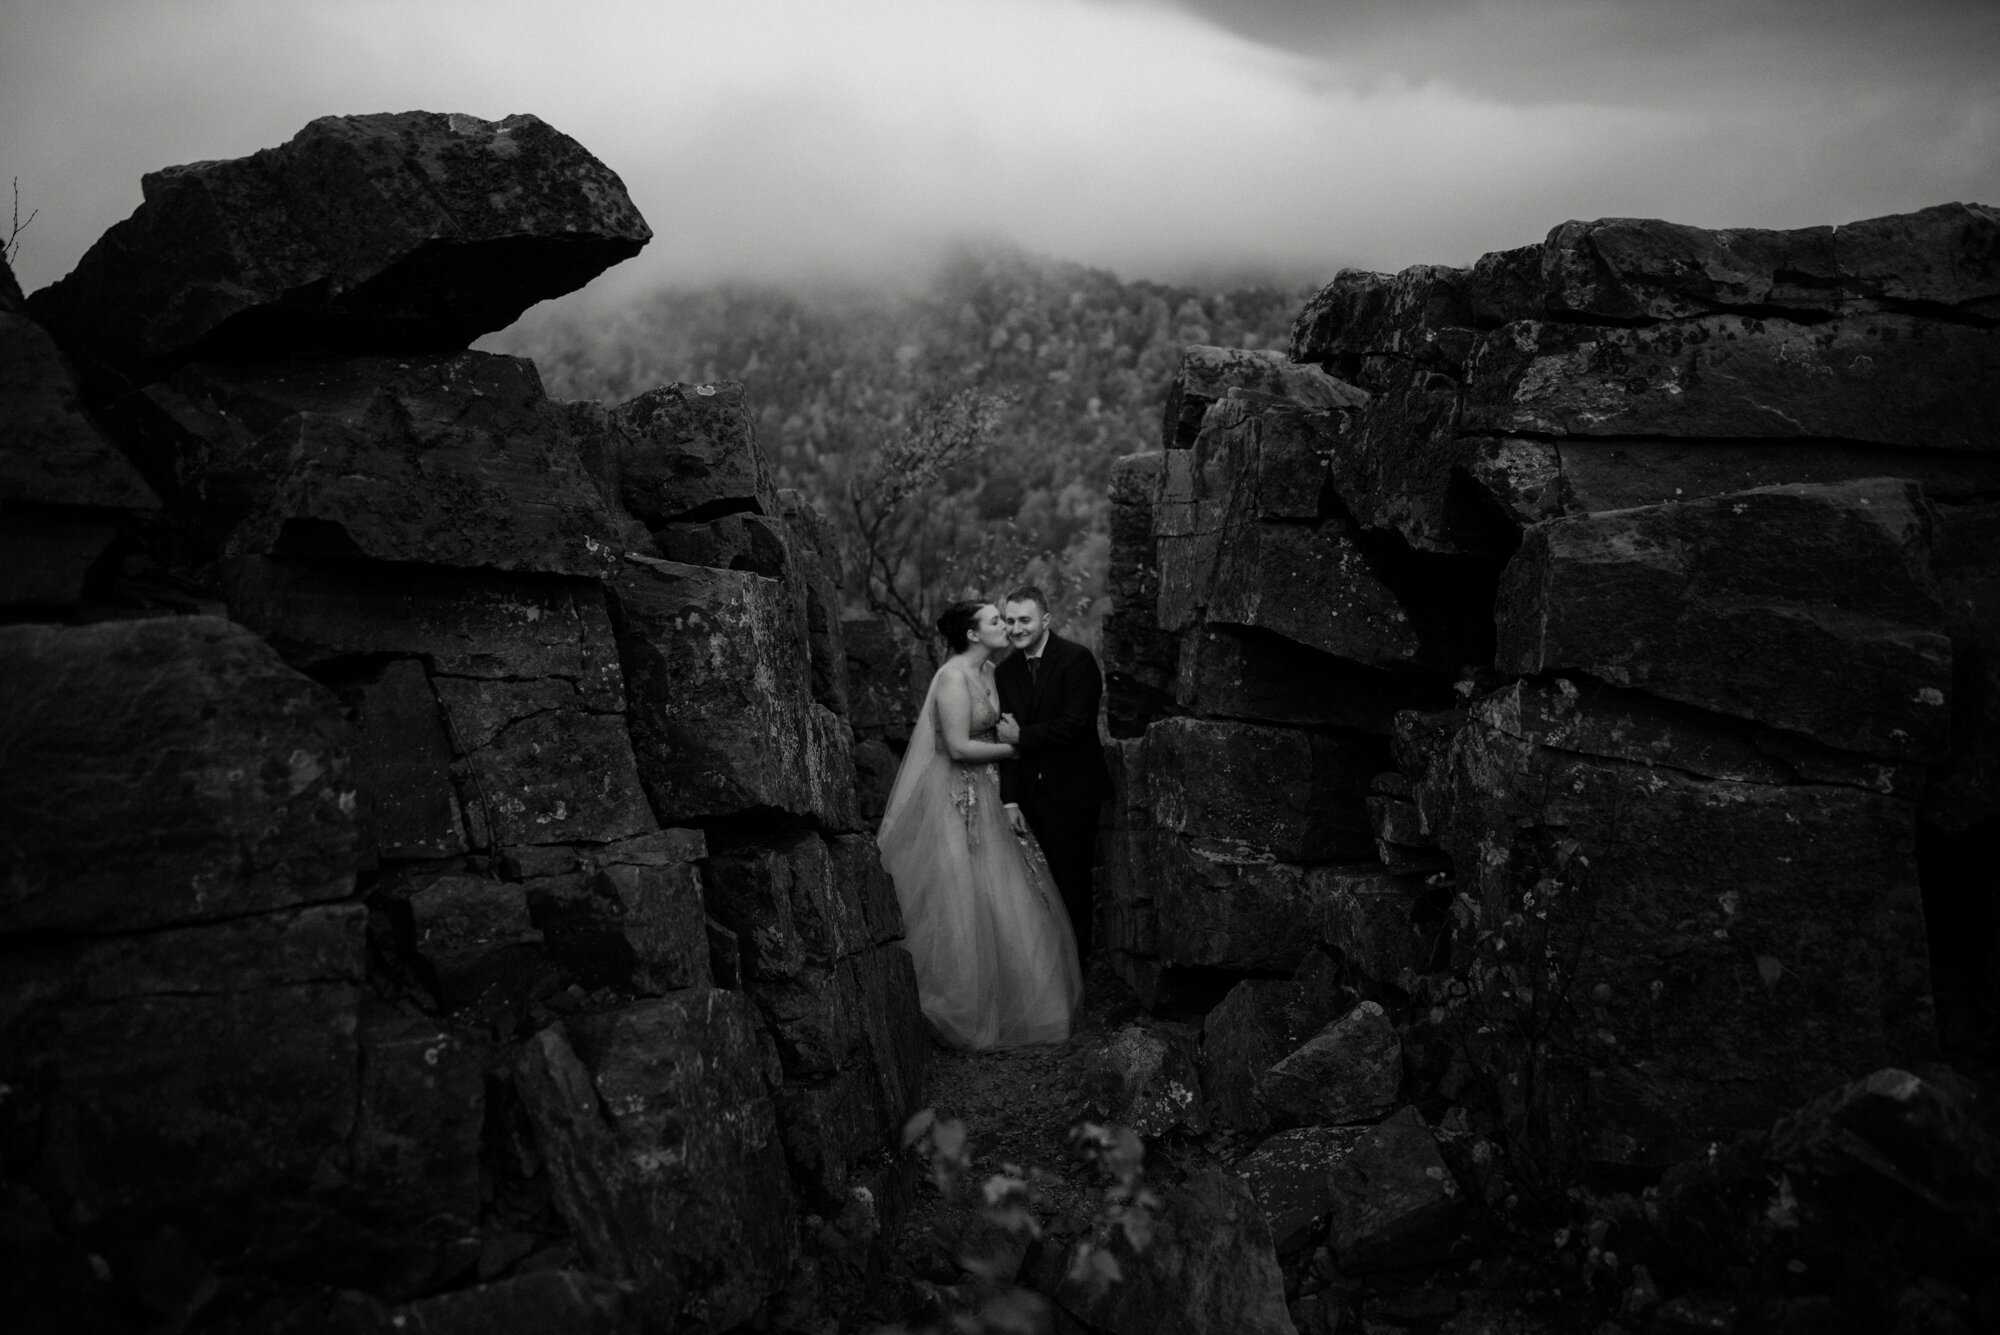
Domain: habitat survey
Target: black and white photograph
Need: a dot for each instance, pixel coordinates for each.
(1000, 667)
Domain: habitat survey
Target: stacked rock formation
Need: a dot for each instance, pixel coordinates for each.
(1560, 693)
(435, 891)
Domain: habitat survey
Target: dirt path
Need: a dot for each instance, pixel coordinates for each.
(1018, 1107)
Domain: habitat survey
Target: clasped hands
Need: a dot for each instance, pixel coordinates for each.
(1008, 730)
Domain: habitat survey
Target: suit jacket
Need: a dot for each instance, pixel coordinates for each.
(1060, 756)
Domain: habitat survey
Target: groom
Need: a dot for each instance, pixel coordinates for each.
(1050, 687)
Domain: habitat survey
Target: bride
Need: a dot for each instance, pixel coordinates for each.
(996, 961)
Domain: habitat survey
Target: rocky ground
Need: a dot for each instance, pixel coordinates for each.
(956, 1264)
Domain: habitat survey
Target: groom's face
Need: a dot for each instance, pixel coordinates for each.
(1027, 623)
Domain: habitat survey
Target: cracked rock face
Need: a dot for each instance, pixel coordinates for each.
(1808, 607)
(1698, 527)
(456, 460)
(183, 772)
(405, 232)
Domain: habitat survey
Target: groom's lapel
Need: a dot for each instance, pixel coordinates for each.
(1019, 684)
(1038, 682)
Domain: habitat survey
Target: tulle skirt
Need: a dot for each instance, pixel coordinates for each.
(996, 959)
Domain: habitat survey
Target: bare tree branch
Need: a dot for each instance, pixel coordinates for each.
(908, 542)
(13, 246)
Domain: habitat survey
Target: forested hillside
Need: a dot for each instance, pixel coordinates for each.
(1025, 377)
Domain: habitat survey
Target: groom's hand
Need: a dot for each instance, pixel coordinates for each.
(1008, 730)
(1016, 819)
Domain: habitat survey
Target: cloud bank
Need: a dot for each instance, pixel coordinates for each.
(788, 139)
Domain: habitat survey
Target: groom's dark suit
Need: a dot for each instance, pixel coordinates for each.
(1059, 778)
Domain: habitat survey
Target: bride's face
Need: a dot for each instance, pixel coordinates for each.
(992, 628)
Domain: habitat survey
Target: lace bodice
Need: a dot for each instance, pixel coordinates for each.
(985, 713)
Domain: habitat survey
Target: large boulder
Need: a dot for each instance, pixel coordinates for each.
(1406, 468)
(1616, 270)
(169, 770)
(1361, 314)
(1241, 538)
(210, 1074)
(1252, 1029)
(679, 452)
(472, 938)
(1402, 465)
(1207, 375)
(657, 1130)
(472, 624)
(1312, 585)
(1808, 607)
(397, 233)
(451, 460)
(1348, 1072)
(1668, 361)
(517, 732)
(546, 769)
(778, 549)
(1697, 928)
(1891, 379)
(722, 716)
(1287, 1173)
(1221, 905)
(1299, 796)
(1394, 1200)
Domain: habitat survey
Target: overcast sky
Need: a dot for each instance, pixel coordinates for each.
(1159, 138)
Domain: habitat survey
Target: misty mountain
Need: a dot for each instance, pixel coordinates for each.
(1082, 358)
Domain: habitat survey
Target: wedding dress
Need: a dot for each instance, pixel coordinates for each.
(996, 959)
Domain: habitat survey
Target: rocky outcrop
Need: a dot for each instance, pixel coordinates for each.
(435, 890)
(720, 674)
(66, 491)
(455, 460)
(1809, 607)
(413, 232)
(167, 771)
(1572, 671)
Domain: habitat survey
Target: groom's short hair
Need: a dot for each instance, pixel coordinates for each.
(1029, 593)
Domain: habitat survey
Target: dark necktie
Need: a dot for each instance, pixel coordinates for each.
(1035, 669)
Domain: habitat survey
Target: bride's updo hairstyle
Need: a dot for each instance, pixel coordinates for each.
(958, 621)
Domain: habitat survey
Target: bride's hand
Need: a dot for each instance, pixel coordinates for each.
(1007, 730)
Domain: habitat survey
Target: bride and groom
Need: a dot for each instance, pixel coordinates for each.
(991, 824)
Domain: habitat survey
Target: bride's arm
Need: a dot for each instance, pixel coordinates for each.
(954, 704)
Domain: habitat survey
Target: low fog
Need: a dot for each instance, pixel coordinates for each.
(794, 139)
